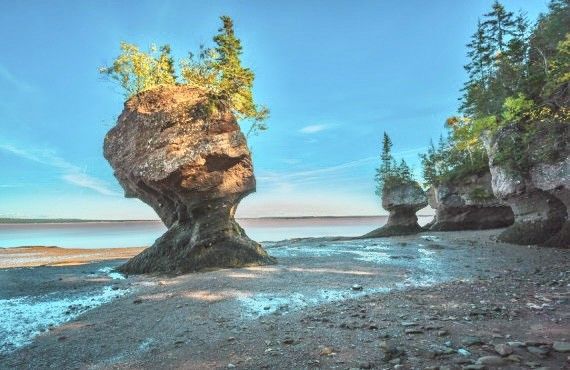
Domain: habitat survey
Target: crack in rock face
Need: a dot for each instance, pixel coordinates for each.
(193, 172)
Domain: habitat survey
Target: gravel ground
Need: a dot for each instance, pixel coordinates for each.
(450, 300)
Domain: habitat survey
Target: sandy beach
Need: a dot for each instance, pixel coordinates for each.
(54, 256)
(431, 299)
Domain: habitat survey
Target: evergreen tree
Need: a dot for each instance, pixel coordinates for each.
(390, 173)
(218, 72)
(499, 25)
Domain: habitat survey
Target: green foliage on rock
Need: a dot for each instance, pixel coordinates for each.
(513, 71)
(137, 70)
(217, 71)
(390, 173)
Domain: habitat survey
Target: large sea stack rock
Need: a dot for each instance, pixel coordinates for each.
(468, 204)
(193, 172)
(539, 196)
(402, 201)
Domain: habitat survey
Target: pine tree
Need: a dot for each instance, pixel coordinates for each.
(478, 51)
(386, 164)
(499, 25)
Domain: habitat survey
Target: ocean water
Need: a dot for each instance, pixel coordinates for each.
(144, 233)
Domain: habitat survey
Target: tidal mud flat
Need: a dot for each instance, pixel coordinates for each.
(458, 299)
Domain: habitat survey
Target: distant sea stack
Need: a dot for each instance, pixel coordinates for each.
(402, 200)
(468, 203)
(193, 171)
(538, 187)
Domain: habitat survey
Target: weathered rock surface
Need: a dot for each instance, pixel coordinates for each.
(539, 197)
(193, 172)
(468, 204)
(402, 201)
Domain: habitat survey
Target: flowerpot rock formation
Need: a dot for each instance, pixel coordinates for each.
(468, 204)
(402, 201)
(193, 172)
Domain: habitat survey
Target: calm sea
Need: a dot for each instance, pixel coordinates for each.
(143, 233)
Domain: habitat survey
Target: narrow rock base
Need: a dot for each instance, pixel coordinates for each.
(561, 239)
(539, 216)
(176, 253)
(393, 230)
(472, 218)
(529, 233)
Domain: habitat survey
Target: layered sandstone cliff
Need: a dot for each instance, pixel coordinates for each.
(468, 204)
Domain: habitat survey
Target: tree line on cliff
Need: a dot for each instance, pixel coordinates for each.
(513, 72)
(217, 71)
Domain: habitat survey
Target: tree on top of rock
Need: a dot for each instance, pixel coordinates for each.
(390, 173)
(217, 71)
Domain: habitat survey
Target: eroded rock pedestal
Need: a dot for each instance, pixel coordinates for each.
(468, 204)
(539, 197)
(193, 172)
(402, 201)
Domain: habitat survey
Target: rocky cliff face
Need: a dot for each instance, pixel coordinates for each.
(193, 172)
(468, 204)
(539, 197)
(402, 201)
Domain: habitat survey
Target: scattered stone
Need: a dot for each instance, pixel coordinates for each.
(474, 367)
(327, 351)
(561, 347)
(138, 301)
(442, 333)
(471, 341)
(366, 365)
(409, 323)
(413, 331)
(231, 366)
(514, 358)
(356, 287)
(516, 344)
(503, 349)
(492, 361)
(463, 352)
(462, 360)
(538, 351)
(288, 341)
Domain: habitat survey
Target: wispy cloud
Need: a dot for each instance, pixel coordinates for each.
(343, 173)
(9, 77)
(70, 172)
(313, 129)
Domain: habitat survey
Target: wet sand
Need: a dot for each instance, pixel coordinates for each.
(54, 256)
(409, 302)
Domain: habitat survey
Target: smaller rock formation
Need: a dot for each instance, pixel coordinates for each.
(467, 204)
(193, 172)
(402, 201)
(539, 196)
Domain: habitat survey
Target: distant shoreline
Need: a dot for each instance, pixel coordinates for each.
(265, 218)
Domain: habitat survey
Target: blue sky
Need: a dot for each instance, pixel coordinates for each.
(335, 74)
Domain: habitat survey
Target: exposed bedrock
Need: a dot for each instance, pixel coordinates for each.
(539, 197)
(402, 201)
(468, 204)
(193, 172)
